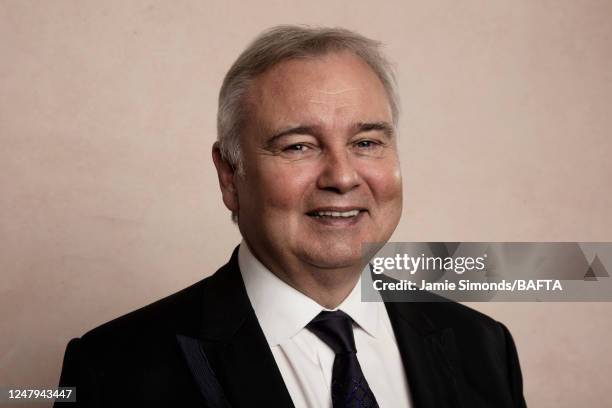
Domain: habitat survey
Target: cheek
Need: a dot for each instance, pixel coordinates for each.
(283, 188)
(386, 183)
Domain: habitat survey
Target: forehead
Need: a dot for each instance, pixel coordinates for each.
(336, 87)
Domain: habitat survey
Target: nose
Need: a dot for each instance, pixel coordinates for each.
(339, 173)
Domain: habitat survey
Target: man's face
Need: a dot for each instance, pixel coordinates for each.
(321, 171)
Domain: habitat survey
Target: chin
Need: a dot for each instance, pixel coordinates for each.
(335, 256)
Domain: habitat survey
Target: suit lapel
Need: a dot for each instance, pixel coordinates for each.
(429, 356)
(234, 344)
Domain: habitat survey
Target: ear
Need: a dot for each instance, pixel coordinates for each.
(226, 173)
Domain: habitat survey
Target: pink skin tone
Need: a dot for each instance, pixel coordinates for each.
(319, 137)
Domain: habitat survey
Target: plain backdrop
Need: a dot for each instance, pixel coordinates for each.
(109, 199)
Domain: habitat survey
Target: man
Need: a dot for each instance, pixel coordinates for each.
(308, 165)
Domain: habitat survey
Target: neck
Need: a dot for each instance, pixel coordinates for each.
(327, 287)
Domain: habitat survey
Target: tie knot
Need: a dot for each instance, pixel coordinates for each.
(335, 329)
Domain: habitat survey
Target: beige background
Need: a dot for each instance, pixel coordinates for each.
(108, 198)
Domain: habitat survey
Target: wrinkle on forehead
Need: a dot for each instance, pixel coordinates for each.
(335, 105)
(339, 91)
(334, 98)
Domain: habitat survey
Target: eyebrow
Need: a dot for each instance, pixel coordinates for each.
(384, 127)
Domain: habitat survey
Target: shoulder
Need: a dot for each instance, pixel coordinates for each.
(143, 338)
(456, 315)
(473, 331)
(141, 348)
(159, 322)
(181, 312)
(429, 312)
(176, 311)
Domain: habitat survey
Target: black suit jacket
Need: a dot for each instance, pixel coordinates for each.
(203, 347)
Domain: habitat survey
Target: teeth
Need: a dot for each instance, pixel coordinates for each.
(346, 214)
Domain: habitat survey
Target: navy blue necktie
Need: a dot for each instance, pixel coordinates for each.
(349, 386)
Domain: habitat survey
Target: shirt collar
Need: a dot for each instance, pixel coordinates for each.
(282, 311)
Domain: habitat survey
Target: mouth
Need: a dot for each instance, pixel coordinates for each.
(336, 214)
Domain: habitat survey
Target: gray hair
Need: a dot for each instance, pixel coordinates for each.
(283, 43)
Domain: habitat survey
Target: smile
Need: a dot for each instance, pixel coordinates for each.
(337, 217)
(335, 214)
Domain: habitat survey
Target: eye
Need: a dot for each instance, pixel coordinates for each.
(368, 144)
(365, 143)
(296, 147)
(369, 147)
(298, 150)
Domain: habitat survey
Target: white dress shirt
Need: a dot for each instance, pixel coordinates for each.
(305, 361)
